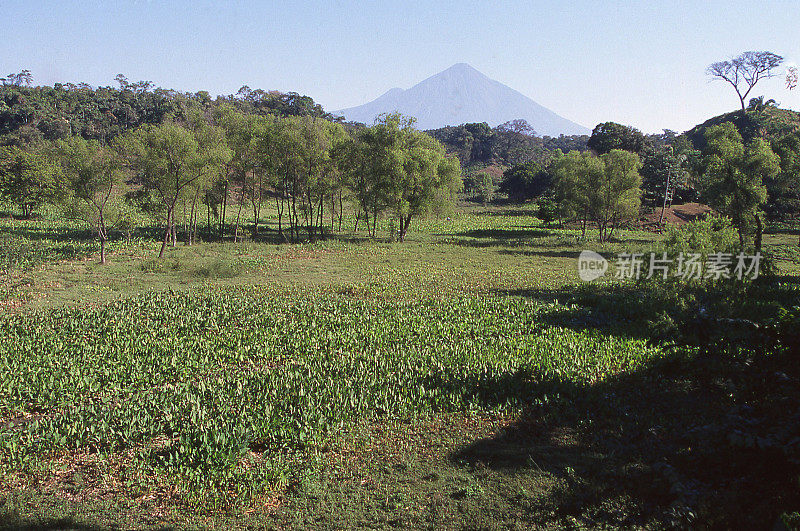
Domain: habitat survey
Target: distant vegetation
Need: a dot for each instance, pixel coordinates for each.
(166, 156)
(290, 365)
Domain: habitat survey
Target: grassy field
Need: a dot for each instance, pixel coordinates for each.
(463, 378)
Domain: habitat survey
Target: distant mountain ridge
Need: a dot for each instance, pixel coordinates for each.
(460, 95)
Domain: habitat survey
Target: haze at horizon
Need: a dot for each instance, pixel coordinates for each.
(590, 62)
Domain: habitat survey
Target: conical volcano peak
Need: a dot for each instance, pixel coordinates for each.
(462, 94)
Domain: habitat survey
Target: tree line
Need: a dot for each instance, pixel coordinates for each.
(32, 114)
(222, 159)
(744, 178)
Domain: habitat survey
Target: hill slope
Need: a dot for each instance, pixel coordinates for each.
(769, 122)
(461, 95)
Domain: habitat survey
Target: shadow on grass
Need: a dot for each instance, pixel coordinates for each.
(687, 440)
(512, 212)
(58, 235)
(506, 234)
(706, 435)
(540, 253)
(712, 316)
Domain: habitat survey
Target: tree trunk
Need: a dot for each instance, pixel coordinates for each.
(319, 217)
(190, 231)
(664, 206)
(341, 210)
(404, 227)
(759, 232)
(173, 230)
(583, 234)
(208, 218)
(224, 211)
(166, 234)
(238, 216)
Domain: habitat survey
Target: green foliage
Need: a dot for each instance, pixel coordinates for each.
(32, 114)
(27, 178)
(221, 393)
(401, 169)
(616, 195)
(608, 136)
(605, 189)
(175, 162)
(661, 166)
(787, 329)
(783, 190)
(93, 180)
(477, 145)
(19, 253)
(733, 176)
(573, 177)
(714, 234)
(485, 186)
(548, 210)
(525, 181)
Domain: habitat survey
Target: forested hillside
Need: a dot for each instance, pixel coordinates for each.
(29, 114)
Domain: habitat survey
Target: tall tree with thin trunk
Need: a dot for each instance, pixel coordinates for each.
(92, 175)
(745, 71)
(168, 159)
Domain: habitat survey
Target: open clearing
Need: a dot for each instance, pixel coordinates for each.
(463, 378)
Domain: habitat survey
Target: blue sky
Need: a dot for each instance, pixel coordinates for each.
(639, 63)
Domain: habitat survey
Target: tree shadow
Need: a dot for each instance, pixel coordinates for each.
(505, 234)
(58, 235)
(509, 213)
(540, 253)
(685, 440)
(712, 316)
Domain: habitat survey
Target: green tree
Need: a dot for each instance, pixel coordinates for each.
(485, 186)
(355, 162)
(169, 159)
(733, 175)
(574, 175)
(616, 195)
(428, 182)
(411, 170)
(525, 181)
(244, 169)
(784, 189)
(92, 175)
(664, 173)
(606, 189)
(610, 135)
(381, 154)
(211, 165)
(27, 178)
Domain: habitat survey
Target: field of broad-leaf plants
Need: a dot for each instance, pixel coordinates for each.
(461, 378)
(223, 395)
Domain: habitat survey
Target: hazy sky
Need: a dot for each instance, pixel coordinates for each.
(639, 63)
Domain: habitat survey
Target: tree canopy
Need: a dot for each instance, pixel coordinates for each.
(611, 135)
(733, 177)
(744, 71)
